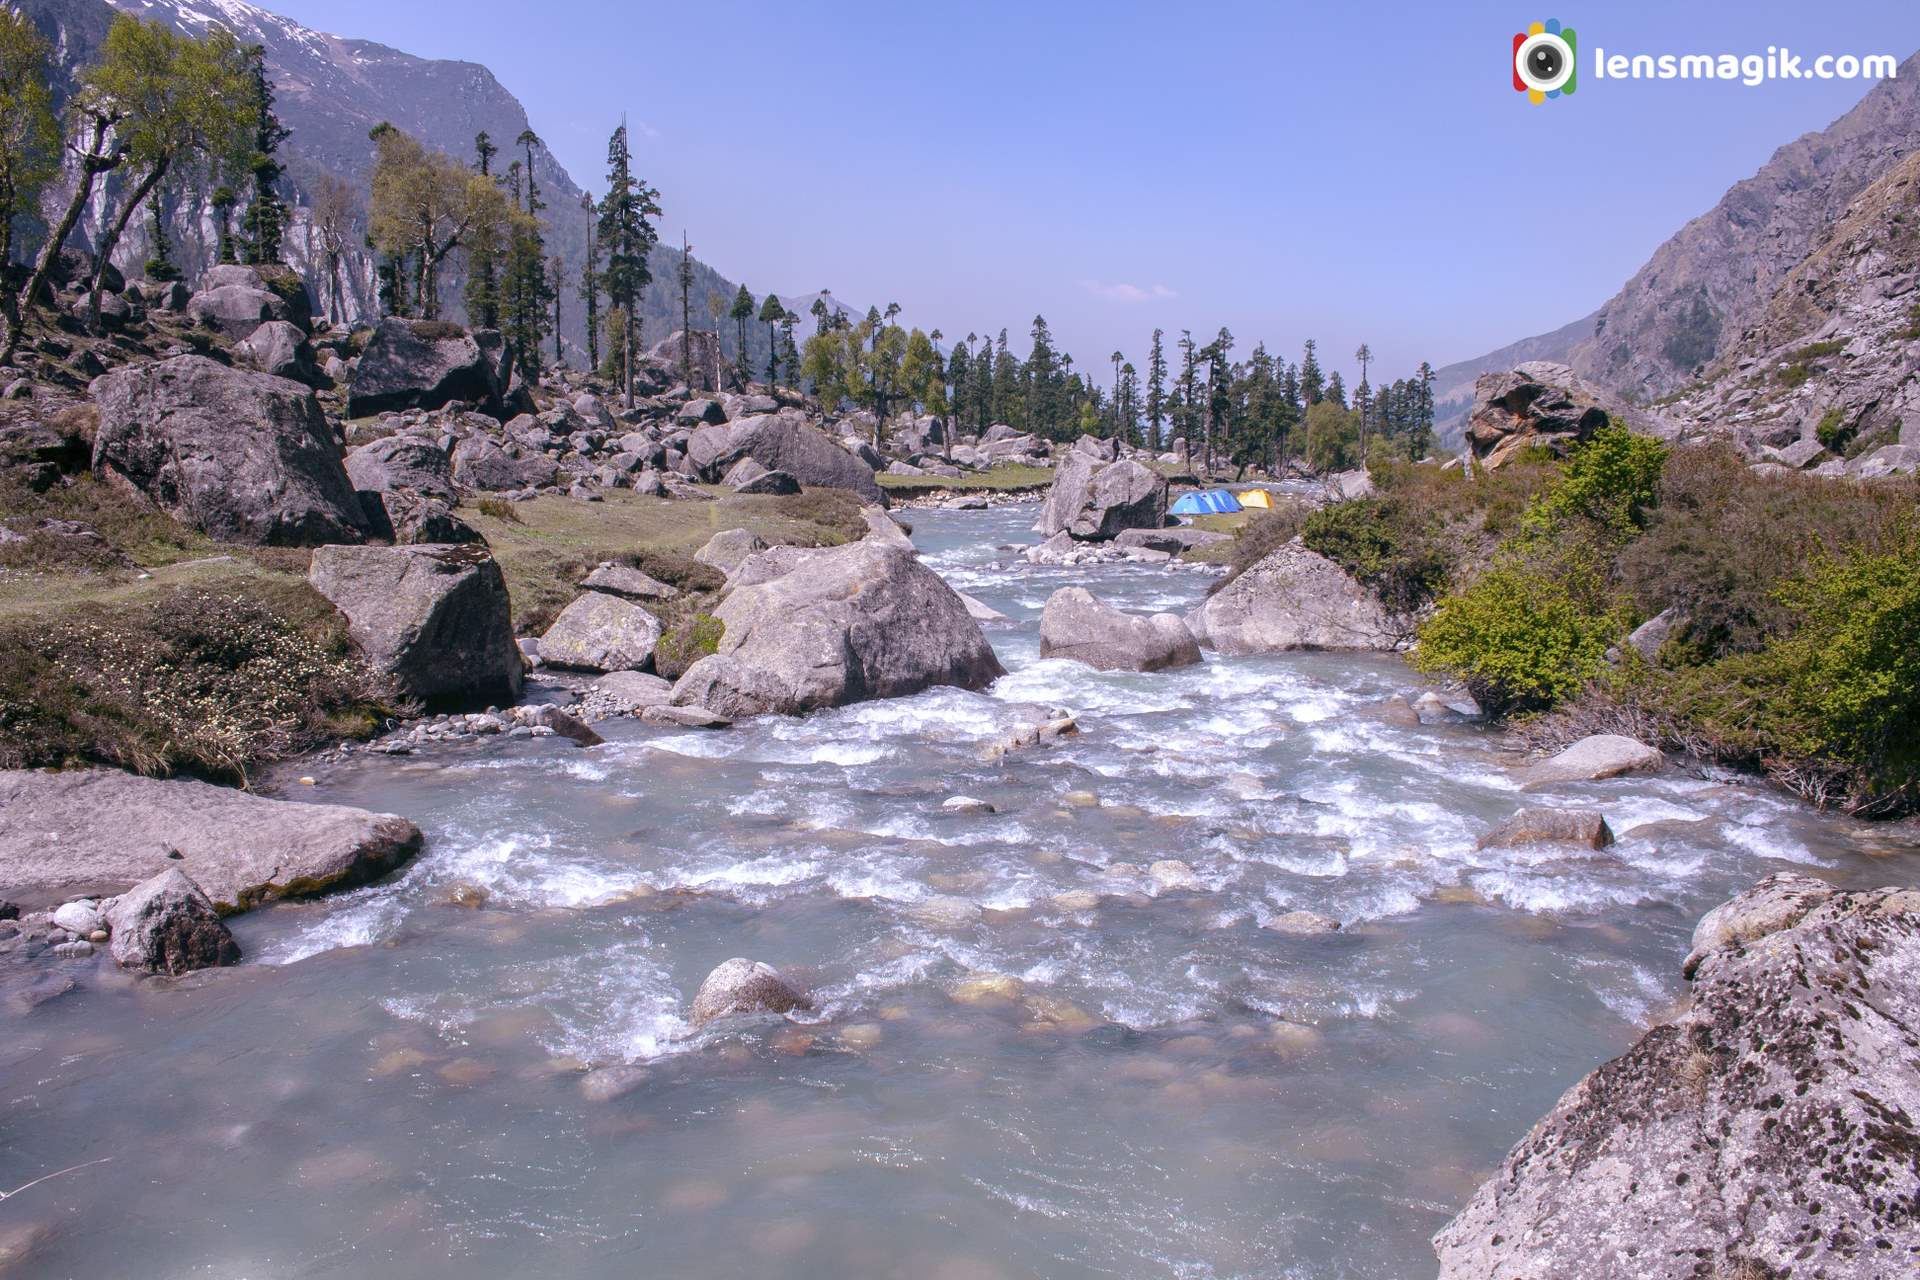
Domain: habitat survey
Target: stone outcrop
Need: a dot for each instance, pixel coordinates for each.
(425, 364)
(1767, 1131)
(433, 617)
(100, 830)
(1092, 500)
(728, 549)
(167, 925)
(866, 620)
(242, 456)
(1295, 598)
(601, 632)
(743, 986)
(1539, 405)
(280, 348)
(1078, 625)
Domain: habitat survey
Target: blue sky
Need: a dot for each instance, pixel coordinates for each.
(1349, 172)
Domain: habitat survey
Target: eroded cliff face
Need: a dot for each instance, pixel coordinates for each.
(1703, 289)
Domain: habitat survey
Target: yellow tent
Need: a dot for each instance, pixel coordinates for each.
(1255, 498)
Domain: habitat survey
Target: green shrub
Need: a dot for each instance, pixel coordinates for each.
(1832, 433)
(1262, 535)
(1818, 351)
(1384, 545)
(1794, 375)
(1520, 639)
(692, 636)
(1611, 483)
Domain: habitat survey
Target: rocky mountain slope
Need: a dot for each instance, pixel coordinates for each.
(1830, 366)
(1705, 287)
(330, 92)
(1693, 302)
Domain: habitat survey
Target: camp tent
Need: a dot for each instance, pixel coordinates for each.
(1207, 502)
(1257, 498)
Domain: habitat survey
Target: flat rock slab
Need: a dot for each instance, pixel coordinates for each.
(103, 831)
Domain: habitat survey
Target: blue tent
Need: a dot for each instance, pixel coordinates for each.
(1207, 502)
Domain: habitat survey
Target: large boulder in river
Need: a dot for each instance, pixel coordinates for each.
(1295, 598)
(1078, 625)
(241, 456)
(783, 441)
(866, 620)
(434, 617)
(101, 830)
(1768, 1131)
(741, 986)
(1093, 500)
(600, 632)
(167, 925)
(426, 364)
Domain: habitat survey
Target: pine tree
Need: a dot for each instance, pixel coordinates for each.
(1006, 382)
(1312, 382)
(1156, 391)
(267, 214)
(590, 285)
(484, 152)
(771, 314)
(486, 250)
(981, 390)
(627, 238)
(1184, 413)
(1336, 389)
(1045, 383)
(742, 312)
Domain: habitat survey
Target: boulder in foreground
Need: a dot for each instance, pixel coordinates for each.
(600, 632)
(842, 625)
(1078, 625)
(743, 986)
(433, 616)
(100, 830)
(239, 455)
(1768, 1131)
(167, 925)
(1295, 598)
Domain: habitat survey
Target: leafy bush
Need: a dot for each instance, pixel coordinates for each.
(1333, 437)
(1384, 545)
(1794, 375)
(1832, 433)
(1611, 483)
(196, 679)
(1723, 538)
(1519, 638)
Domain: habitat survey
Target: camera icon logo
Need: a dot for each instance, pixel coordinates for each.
(1543, 57)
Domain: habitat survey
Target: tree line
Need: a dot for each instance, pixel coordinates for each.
(171, 114)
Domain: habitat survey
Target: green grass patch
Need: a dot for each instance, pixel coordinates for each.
(1013, 478)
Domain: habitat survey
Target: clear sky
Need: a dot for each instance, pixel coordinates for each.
(1349, 172)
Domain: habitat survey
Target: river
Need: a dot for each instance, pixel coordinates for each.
(392, 1085)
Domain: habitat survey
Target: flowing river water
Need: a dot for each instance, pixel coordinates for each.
(394, 1085)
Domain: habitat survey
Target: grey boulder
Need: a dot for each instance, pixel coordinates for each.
(402, 462)
(167, 925)
(1092, 501)
(1550, 826)
(93, 830)
(728, 549)
(435, 617)
(600, 632)
(1603, 755)
(415, 364)
(280, 348)
(849, 623)
(1078, 625)
(241, 456)
(783, 441)
(1295, 598)
(1766, 1131)
(743, 986)
(626, 582)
